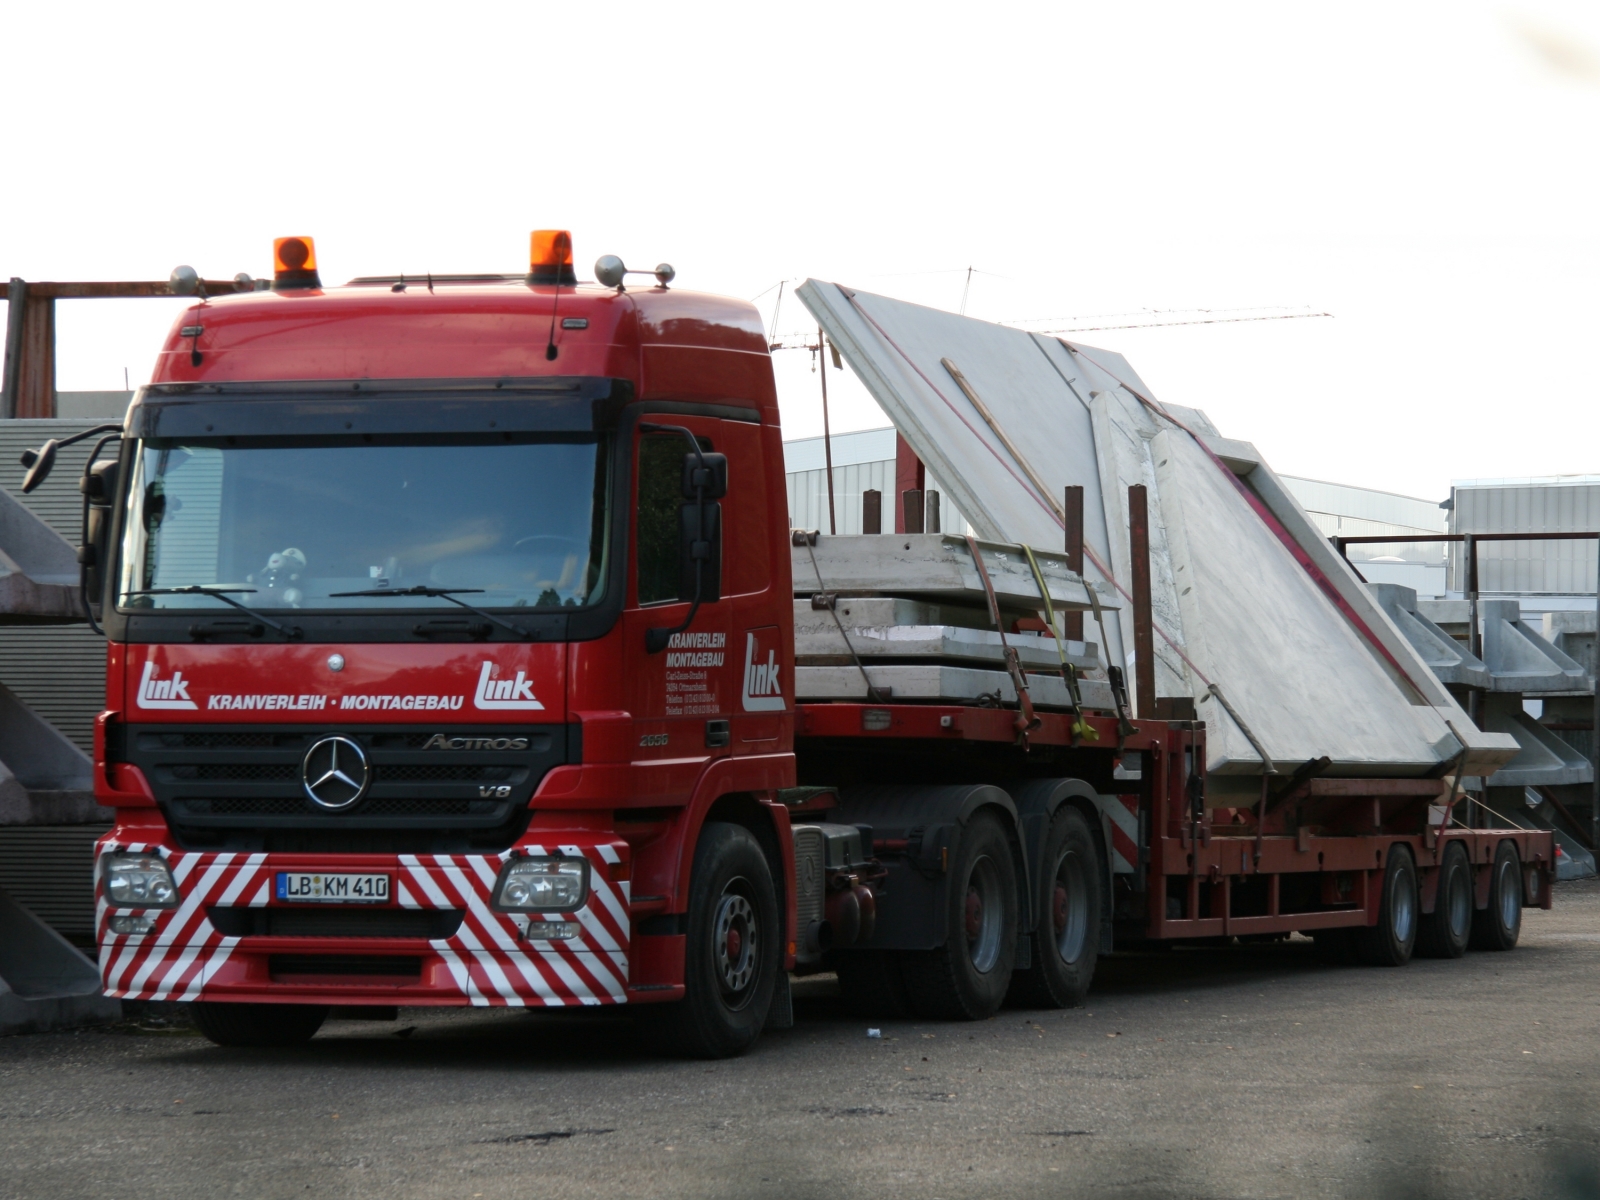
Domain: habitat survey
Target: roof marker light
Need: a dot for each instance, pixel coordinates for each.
(294, 264)
(550, 257)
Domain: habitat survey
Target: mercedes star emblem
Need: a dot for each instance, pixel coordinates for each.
(335, 773)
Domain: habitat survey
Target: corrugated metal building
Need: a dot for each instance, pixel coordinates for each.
(862, 460)
(1548, 504)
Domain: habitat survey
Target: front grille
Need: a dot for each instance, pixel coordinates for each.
(236, 772)
(336, 922)
(241, 789)
(367, 965)
(399, 806)
(217, 741)
(440, 773)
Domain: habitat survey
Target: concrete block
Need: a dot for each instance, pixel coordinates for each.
(45, 981)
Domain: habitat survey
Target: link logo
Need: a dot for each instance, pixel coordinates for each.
(163, 693)
(502, 694)
(763, 683)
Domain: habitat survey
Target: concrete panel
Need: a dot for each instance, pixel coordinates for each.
(1228, 594)
(955, 685)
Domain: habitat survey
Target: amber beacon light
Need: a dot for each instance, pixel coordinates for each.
(294, 264)
(550, 257)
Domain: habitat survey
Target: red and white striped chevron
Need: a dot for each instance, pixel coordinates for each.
(1123, 813)
(488, 961)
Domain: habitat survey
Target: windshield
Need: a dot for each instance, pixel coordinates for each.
(522, 518)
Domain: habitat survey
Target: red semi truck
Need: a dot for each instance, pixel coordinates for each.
(451, 659)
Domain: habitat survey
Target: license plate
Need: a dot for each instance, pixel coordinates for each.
(303, 887)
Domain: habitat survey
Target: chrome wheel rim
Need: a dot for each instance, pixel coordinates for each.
(736, 943)
(1069, 908)
(984, 913)
(1460, 904)
(1402, 909)
(1510, 900)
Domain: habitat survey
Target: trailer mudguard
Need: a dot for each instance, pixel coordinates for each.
(1038, 801)
(923, 825)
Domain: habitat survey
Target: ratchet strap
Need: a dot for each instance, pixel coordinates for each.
(1079, 728)
(1026, 720)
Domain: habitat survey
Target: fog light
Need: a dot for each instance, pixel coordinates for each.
(543, 885)
(138, 923)
(552, 931)
(139, 881)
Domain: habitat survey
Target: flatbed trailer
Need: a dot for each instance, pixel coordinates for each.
(439, 672)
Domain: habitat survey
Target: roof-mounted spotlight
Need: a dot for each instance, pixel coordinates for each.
(550, 258)
(610, 271)
(294, 264)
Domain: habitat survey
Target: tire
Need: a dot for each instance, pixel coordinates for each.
(1445, 931)
(1498, 925)
(258, 1024)
(732, 954)
(1066, 940)
(1390, 942)
(966, 979)
(871, 983)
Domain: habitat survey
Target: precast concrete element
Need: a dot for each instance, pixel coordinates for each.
(1520, 659)
(45, 983)
(38, 569)
(1246, 596)
(44, 778)
(1543, 760)
(1447, 658)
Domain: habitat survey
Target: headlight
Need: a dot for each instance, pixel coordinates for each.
(543, 885)
(139, 881)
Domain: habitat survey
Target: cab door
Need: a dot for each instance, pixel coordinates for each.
(683, 695)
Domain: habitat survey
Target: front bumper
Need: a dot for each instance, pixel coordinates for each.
(487, 961)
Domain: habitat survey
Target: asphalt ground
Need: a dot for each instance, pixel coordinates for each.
(1248, 1071)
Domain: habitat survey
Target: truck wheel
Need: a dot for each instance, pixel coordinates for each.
(732, 953)
(1066, 943)
(1390, 942)
(258, 1024)
(870, 983)
(967, 977)
(1443, 933)
(1497, 926)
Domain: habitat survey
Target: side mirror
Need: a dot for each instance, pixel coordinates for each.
(99, 488)
(713, 476)
(38, 463)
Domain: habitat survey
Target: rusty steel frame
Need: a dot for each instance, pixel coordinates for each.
(28, 388)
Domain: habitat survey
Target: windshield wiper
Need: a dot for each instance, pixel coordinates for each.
(449, 594)
(292, 632)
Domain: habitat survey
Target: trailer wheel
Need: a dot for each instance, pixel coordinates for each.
(732, 952)
(871, 983)
(967, 977)
(1499, 924)
(1066, 942)
(1390, 942)
(1444, 932)
(258, 1024)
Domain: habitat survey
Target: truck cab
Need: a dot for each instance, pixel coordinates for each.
(445, 616)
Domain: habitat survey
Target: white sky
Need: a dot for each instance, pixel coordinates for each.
(1425, 172)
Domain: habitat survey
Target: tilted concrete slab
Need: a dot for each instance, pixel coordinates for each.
(1246, 593)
